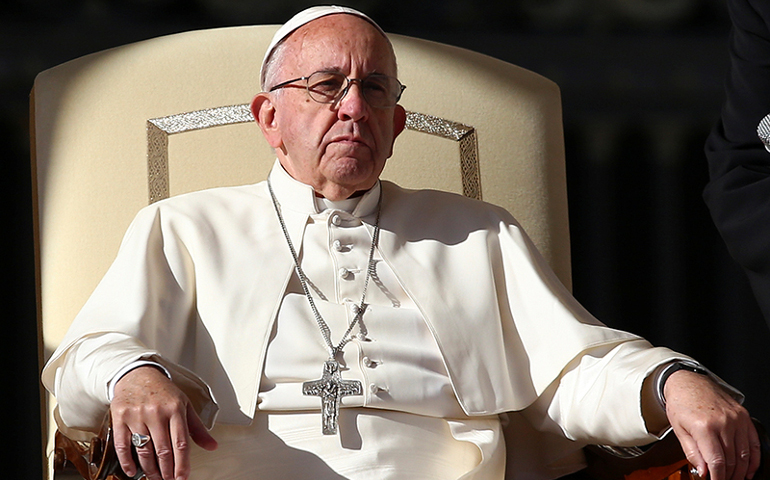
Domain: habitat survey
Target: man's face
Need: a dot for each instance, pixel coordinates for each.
(337, 148)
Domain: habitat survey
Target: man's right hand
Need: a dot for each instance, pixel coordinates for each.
(148, 403)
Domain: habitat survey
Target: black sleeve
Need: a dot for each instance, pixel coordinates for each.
(738, 193)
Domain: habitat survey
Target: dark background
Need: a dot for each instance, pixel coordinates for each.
(642, 85)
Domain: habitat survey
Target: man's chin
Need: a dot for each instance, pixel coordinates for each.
(350, 184)
(352, 170)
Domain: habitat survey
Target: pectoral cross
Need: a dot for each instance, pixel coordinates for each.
(331, 388)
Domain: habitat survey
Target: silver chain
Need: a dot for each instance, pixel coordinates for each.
(322, 325)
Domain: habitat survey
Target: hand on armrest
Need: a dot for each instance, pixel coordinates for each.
(147, 402)
(716, 432)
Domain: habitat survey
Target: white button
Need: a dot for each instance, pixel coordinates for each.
(336, 220)
(374, 389)
(337, 245)
(343, 272)
(354, 308)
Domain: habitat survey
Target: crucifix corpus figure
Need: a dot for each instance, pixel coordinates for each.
(331, 388)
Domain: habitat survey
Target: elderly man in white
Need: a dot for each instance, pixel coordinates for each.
(325, 324)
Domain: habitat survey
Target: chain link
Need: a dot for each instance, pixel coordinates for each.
(322, 325)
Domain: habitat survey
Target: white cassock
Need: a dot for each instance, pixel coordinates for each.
(471, 354)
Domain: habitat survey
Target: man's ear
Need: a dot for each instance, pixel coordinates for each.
(263, 109)
(399, 121)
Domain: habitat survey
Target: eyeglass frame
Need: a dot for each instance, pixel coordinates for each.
(345, 90)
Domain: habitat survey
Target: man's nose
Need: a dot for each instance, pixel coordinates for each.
(352, 105)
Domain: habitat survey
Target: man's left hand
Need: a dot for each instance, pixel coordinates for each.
(716, 432)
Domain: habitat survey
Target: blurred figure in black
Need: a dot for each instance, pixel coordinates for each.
(738, 194)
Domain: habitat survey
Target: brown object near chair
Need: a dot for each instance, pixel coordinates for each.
(93, 460)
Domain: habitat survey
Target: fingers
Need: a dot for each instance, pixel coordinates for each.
(164, 456)
(723, 454)
(754, 452)
(693, 454)
(157, 458)
(709, 457)
(168, 455)
(122, 441)
(741, 455)
(146, 456)
(737, 454)
(179, 451)
(716, 433)
(148, 403)
(718, 452)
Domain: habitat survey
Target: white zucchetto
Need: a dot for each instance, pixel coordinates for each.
(302, 18)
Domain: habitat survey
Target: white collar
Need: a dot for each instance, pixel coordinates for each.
(295, 195)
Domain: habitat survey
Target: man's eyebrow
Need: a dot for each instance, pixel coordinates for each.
(332, 69)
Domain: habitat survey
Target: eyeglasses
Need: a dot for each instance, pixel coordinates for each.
(379, 91)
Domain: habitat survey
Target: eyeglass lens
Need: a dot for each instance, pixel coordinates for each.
(378, 90)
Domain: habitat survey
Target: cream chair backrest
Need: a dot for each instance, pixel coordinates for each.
(119, 128)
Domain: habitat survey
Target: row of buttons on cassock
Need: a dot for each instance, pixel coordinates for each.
(345, 273)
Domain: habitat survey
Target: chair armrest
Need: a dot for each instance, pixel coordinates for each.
(93, 460)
